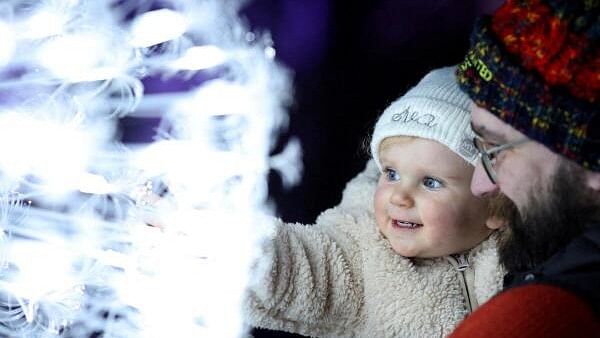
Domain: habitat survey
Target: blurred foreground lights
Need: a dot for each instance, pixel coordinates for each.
(38, 261)
(200, 57)
(270, 52)
(152, 28)
(43, 24)
(44, 148)
(7, 43)
(94, 184)
(77, 57)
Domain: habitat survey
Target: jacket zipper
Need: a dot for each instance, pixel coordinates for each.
(461, 263)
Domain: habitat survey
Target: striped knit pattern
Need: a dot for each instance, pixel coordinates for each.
(532, 88)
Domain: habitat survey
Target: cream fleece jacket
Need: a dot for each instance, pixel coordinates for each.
(340, 277)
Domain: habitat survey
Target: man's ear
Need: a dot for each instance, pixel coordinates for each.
(593, 180)
(495, 223)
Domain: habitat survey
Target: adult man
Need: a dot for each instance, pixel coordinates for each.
(534, 72)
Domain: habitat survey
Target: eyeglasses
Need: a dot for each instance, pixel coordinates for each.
(488, 156)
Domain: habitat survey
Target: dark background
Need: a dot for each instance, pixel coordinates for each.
(350, 61)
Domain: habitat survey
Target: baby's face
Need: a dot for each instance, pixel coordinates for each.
(423, 201)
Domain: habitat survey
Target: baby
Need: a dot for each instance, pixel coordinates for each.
(407, 255)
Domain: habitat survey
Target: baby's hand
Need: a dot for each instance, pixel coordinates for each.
(150, 205)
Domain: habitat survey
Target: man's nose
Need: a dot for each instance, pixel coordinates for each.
(481, 185)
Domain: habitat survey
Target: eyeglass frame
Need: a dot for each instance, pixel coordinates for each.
(489, 155)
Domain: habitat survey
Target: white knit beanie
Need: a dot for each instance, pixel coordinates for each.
(434, 109)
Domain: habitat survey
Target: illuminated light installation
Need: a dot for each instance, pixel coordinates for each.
(7, 43)
(154, 27)
(77, 257)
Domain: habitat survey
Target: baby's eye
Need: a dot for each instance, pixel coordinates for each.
(432, 183)
(391, 174)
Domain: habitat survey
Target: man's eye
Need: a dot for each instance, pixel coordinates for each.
(432, 183)
(392, 175)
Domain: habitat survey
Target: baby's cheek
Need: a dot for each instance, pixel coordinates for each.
(379, 197)
(445, 219)
(379, 201)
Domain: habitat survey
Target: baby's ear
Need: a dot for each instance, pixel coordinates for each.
(495, 223)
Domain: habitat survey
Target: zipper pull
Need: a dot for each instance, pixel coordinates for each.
(462, 262)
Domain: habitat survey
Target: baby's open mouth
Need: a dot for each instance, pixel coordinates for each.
(404, 224)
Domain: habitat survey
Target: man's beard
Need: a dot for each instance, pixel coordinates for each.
(552, 217)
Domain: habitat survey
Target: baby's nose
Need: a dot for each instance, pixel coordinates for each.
(402, 197)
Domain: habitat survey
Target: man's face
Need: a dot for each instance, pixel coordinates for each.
(518, 169)
(542, 197)
(551, 217)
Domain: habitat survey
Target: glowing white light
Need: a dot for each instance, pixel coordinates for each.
(216, 97)
(182, 172)
(41, 261)
(77, 57)
(48, 149)
(43, 24)
(288, 163)
(83, 67)
(7, 43)
(158, 26)
(270, 52)
(94, 184)
(200, 57)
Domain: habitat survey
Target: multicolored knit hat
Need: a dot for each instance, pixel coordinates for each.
(536, 65)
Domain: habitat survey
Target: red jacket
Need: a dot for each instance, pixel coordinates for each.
(534, 310)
